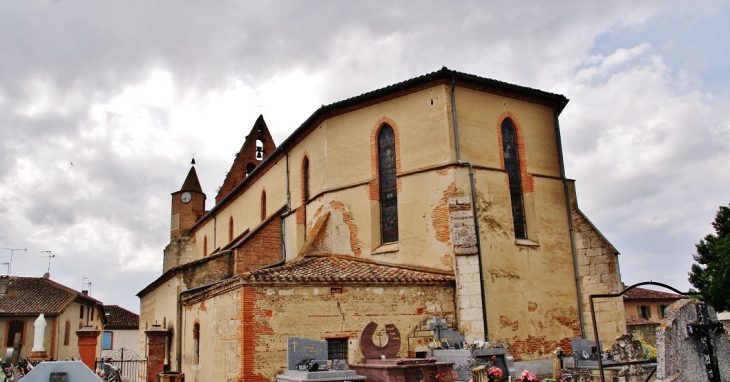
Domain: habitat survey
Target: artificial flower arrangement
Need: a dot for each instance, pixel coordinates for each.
(400, 361)
(445, 376)
(526, 376)
(494, 373)
(432, 360)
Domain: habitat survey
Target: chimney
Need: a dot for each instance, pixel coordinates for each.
(85, 292)
(4, 280)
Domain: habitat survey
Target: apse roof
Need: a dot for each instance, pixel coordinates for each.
(346, 269)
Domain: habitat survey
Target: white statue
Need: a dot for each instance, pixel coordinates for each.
(40, 331)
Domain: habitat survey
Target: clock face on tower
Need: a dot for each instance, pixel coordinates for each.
(185, 197)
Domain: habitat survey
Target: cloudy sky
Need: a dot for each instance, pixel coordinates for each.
(103, 103)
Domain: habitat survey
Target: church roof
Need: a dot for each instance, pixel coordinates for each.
(120, 318)
(36, 295)
(346, 269)
(191, 182)
(648, 294)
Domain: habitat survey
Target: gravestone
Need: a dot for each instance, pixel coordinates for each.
(586, 353)
(692, 345)
(442, 334)
(299, 350)
(389, 349)
(627, 349)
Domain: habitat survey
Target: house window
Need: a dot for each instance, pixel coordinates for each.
(645, 311)
(81, 312)
(230, 229)
(337, 348)
(388, 185)
(662, 309)
(91, 312)
(67, 333)
(305, 179)
(107, 341)
(263, 205)
(14, 326)
(196, 343)
(512, 166)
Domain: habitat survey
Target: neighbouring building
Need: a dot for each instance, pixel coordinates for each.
(645, 311)
(441, 195)
(120, 334)
(66, 311)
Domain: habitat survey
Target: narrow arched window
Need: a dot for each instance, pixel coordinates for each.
(512, 166)
(230, 229)
(263, 205)
(67, 333)
(205, 246)
(196, 343)
(388, 185)
(305, 179)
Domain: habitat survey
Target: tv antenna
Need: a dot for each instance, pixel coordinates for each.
(49, 256)
(84, 283)
(12, 250)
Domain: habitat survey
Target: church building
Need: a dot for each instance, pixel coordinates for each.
(443, 195)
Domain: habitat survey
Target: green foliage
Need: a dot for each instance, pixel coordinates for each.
(711, 272)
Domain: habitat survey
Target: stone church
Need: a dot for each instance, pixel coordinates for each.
(443, 195)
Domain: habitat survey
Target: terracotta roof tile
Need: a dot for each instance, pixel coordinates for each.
(120, 318)
(648, 294)
(35, 295)
(336, 269)
(634, 320)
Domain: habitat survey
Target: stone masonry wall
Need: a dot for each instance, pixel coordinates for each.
(598, 273)
(271, 314)
(178, 252)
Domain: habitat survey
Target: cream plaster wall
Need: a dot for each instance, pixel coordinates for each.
(159, 306)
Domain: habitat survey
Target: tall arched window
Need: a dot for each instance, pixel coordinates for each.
(512, 165)
(388, 185)
(205, 246)
(263, 205)
(305, 179)
(230, 229)
(196, 343)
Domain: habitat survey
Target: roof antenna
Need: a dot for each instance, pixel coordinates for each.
(50, 256)
(12, 250)
(84, 282)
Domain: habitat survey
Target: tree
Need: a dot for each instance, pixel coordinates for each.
(711, 272)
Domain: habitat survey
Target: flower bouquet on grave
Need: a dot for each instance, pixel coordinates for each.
(526, 376)
(446, 376)
(432, 360)
(494, 374)
(400, 361)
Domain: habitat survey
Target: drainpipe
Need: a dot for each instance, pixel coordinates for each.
(178, 344)
(570, 219)
(473, 206)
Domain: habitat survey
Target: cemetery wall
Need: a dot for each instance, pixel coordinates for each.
(270, 314)
(158, 306)
(598, 271)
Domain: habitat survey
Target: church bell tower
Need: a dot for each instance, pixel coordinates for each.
(188, 205)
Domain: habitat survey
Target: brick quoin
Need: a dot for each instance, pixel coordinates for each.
(253, 321)
(527, 182)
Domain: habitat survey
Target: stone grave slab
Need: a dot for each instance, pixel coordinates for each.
(299, 350)
(692, 344)
(448, 338)
(75, 371)
(389, 349)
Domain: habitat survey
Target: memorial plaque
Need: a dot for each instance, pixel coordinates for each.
(57, 376)
(299, 350)
(389, 349)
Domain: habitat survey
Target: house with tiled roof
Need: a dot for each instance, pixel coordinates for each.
(66, 311)
(645, 311)
(442, 195)
(121, 331)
